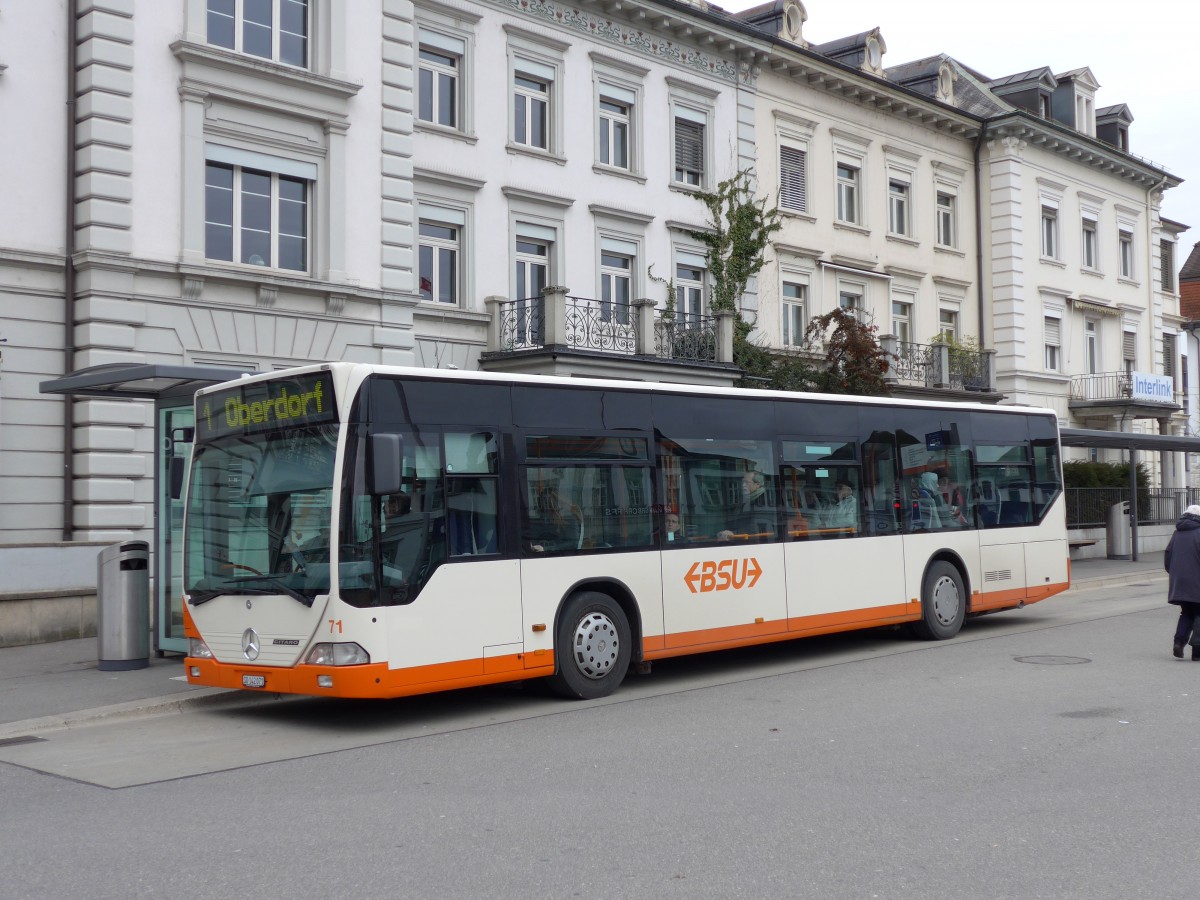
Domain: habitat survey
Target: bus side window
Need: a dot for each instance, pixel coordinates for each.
(472, 467)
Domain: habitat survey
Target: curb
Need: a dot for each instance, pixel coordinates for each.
(1148, 576)
(151, 707)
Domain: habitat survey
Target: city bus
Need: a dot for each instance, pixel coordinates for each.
(367, 531)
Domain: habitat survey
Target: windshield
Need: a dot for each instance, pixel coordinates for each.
(258, 514)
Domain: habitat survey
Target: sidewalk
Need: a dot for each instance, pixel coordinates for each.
(45, 686)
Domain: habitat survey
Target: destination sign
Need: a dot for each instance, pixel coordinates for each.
(261, 406)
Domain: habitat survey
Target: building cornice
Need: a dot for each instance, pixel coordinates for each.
(1055, 138)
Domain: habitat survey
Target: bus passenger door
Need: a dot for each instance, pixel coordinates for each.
(724, 594)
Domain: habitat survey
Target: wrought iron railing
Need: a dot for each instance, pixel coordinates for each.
(691, 337)
(923, 364)
(601, 325)
(1088, 507)
(523, 324)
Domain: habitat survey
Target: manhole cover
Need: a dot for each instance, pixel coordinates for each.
(1052, 660)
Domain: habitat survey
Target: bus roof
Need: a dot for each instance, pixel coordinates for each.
(356, 372)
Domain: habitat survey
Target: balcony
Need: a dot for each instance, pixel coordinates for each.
(939, 370)
(558, 334)
(1124, 394)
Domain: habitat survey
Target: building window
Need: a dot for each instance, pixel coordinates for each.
(615, 286)
(532, 261)
(945, 219)
(1044, 105)
(1053, 343)
(1169, 366)
(438, 251)
(851, 301)
(793, 179)
(1129, 352)
(689, 291)
(1049, 232)
(263, 28)
(1089, 243)
(902, 320)
(1166, 262)
(533, 267)
(847, 193)
(613, 129)
(948, 324)
(898, 206)
(689, 148)
(531, 110)
(1125, 243)
(795, 299)
(439, 70)
(1091, 346)
(255, 217)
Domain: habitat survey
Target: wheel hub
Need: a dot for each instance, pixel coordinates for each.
(595, 645)
(946, 600)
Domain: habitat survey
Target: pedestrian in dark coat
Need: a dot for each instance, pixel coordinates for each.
(1182, 562)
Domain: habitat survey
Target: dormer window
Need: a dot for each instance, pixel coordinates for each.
(874, 54)
(1044, 105)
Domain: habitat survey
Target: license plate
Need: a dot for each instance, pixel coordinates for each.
(254, 681)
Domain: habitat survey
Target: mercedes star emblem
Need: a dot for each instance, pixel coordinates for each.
(250, 644)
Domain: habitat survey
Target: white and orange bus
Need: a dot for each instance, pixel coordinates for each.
(364, 531)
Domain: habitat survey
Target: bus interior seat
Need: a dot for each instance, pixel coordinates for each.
(1014, 514)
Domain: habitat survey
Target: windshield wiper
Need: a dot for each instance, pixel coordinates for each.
(275, 582)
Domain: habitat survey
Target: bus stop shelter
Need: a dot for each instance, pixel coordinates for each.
(171, 388)
(1133, 443)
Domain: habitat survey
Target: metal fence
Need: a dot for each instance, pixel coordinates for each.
(1088, 507)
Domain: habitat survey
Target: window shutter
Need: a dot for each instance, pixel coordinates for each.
(1167, 262)
(1129, 346)
(793, 189)
(689, 145)
(1053, 332)
(1169, 356)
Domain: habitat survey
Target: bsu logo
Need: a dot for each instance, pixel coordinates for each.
(728, 574)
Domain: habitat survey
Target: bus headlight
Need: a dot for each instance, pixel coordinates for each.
(337, 655)
(197, 649)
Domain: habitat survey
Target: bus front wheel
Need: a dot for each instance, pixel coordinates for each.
(592, 647)
(943, 603)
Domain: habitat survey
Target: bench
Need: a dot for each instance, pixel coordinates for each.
(1080, 542)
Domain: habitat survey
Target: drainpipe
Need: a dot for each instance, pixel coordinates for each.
(69, 285)
(979, 235)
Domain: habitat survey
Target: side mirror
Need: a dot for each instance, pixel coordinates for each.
(178, 466)
(383, 465)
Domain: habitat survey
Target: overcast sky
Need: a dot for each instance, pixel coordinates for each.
(1143, 54)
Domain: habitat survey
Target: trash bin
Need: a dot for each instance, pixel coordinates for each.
(123, 606)
(1120, 538)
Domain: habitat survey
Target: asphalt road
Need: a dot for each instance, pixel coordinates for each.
(1042, 753)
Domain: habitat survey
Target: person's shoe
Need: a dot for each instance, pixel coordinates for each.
(1195, 652)
(1178, 650)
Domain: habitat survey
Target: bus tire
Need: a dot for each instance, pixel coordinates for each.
(592, 647)
(943, 603)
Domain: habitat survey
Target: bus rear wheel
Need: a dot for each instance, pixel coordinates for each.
(943, 603)
(592, 647)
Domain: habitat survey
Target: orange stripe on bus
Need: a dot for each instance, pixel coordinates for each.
(375, 680)
(689, 642)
